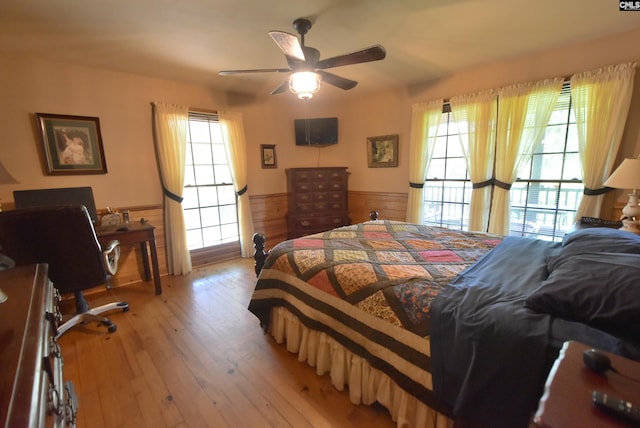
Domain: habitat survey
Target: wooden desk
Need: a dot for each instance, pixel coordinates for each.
(136, 233)
(566, 402)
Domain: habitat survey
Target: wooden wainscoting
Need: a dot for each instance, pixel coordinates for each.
(269, 211)
(269, 216)
(616, 211)
(390, 206)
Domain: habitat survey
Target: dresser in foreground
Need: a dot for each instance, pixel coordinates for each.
(32, 390)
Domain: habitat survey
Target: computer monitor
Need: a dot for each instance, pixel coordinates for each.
(54, 197)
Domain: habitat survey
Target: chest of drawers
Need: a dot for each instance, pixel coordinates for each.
(32, 390)
(317, 200)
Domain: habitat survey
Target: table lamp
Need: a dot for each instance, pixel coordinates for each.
(5, 262)
(627, 176)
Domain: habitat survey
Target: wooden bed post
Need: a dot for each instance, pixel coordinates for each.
(259, 255)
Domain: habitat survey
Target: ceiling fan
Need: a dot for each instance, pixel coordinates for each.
(306, 66)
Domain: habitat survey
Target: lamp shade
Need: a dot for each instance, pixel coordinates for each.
(626, 176)
(304, 84)
(5, 177)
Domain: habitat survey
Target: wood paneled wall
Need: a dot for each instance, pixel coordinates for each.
(269, 217)
(269, 213)
(390, 206)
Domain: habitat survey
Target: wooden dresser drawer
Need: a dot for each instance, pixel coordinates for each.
(317, 199)
(320, 224)
(32, 389)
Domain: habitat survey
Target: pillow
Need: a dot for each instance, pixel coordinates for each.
(601, 239)
(600, 289)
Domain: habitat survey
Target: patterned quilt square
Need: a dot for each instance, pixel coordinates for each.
(374, 227)
(442, 256)
(307, 259)
(383, 244)
(377, 235)
(355, 276)
(390, 257)
(308, 243)
(399, 227)
(322, 282)
(343, 255)
(405, 271)
(423, 244)
(415, 298)
(337, 234)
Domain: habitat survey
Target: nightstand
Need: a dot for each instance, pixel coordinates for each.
(566, 402)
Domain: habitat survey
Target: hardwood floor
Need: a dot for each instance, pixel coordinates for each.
(196, 357)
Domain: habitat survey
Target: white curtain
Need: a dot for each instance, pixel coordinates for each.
(170, 124)
(600, 100)
(236, 147)
(424, 130)
(475, 116)
(523, 114)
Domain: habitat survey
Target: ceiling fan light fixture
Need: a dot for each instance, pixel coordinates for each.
(304, 84)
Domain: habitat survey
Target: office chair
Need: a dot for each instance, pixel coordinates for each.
(64, 238)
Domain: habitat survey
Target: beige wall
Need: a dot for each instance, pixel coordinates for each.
(390, 112)
(122, 102)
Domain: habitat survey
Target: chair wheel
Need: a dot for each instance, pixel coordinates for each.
(111, 327)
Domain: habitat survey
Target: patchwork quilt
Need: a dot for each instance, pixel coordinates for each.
(370, 287)
(390, 270)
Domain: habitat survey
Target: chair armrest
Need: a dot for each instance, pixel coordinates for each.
(110, 255)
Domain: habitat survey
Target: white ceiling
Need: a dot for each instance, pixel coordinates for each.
(191, 40)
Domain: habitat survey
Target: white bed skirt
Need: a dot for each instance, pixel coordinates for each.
(366, 384)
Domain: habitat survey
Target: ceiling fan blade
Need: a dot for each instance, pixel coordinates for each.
(373, 53)
(282, 88)
(259, 70)
(288, 43)
(337, 81)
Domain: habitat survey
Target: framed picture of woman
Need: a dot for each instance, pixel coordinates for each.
(71, 144)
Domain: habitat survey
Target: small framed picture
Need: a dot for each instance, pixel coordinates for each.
(382, 151)
(71, 144)
(268, 152)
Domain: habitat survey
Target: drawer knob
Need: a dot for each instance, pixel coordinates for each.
(53, 401)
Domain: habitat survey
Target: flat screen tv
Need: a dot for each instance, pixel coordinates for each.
(316, 132)
(54, 197)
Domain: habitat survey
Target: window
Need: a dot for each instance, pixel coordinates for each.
(447, 187)
(545, 195)
(210, 204)
(548, 190)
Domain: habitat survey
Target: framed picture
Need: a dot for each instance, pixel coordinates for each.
(382, 151)
(72, 144)
(268, 152)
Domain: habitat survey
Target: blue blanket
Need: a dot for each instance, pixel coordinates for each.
(490, 354)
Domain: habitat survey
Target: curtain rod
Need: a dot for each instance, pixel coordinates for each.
(566, 80)
(202, 111)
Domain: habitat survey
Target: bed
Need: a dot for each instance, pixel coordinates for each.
(440, 325)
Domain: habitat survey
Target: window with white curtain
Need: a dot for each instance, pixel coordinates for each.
(210, 203)
(548, 190)
(545, 195)
(447, 190)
